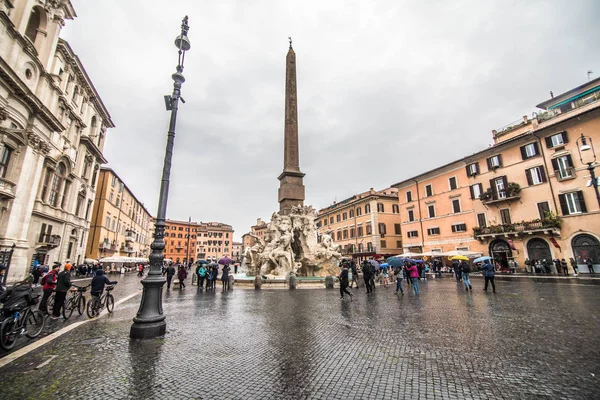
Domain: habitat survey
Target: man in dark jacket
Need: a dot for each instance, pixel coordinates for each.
(465, 270)
(49, 282)
(488, 273)
(170, 272)
(368, 274)
(98, 283)
(63, 283)
(354, 274)
(344, 282)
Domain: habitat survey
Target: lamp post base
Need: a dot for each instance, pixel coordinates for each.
(150, 321)
(147, 330)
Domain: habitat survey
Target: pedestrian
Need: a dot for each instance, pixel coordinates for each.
(590, 265)
(235, 268)
(557, 266)
(209, 274)
(565, 267)
(373, 275)
(225, 276)
(405, 272)
(201, 275)
(37, 272)
(512, 266)
(181, 275)
(386, 276)
(48, 286)
(413, 273)
(63, 283)
(574, 266)
(170, 272)
(2, 273)
(367, 269)
(215, 275)
(489, 275)
(465, 270)
(456, 270)
(354, 274)
(343, 277)
(398, 275)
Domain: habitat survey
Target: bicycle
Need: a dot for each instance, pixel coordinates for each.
(96, 304)
(23, 321)
(50, 303)
(76, 301)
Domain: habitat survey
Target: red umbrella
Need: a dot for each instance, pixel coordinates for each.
(225, 261)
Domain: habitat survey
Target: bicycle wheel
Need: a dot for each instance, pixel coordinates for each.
(50, 305)
(8, 337)
(34, 323)
(81, 305)
(110, 303)
(67, 309)
(91, 309)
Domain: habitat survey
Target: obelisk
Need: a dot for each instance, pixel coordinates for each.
(291, 187)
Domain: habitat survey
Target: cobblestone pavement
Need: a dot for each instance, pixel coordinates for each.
(528, 341)
(128, 283)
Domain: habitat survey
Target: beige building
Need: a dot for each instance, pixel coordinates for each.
(215, 240)
(52, 129)
(524, 198)
(364, 225)
(121, 225)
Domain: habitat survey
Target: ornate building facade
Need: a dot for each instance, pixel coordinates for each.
(121, 225)
(52, 130)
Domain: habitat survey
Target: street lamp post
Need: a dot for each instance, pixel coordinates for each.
(584, 145)
(150, 320)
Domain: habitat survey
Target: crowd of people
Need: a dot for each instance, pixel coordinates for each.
(207, 275)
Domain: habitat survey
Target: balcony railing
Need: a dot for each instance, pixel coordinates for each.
(565, 174)
(7, 188)
(49, 240)
(127, 249)
(129, 236)
(512, 192)
(551, 225)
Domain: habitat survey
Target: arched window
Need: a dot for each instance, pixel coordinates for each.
(93, 126)
(33, 24)
(358, 211)
(367, 208)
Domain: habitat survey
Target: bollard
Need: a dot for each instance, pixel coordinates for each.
(257, 282)
(231, 281)
(292, 282)
(329, 282)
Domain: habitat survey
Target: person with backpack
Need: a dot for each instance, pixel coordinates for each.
(399, 279)
(48, 286)
(201, 275)
(488, 272)
(63, 283)
(466, 270)
(98, 283)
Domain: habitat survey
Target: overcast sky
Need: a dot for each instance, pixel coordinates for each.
(386, 89)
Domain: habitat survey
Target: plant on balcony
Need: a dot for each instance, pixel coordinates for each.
(487, 195)
(513, 189)
(551, 220)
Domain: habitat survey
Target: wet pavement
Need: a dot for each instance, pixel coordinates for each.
(529, 341)
(128, 283)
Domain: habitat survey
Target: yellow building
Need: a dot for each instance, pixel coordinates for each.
(121, 225)
(524, 198)
(364, 225)
(215, 240)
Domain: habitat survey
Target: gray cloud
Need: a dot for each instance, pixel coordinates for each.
(386, 89)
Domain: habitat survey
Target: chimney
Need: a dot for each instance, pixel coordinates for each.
(525, 120)
(371, 191)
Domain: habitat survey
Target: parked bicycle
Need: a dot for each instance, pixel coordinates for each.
(23, 320)
(97, 303)
(50, 303)
(76, 301)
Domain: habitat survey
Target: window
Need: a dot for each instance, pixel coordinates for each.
(369, 229)
(431, 210)
(397, 229)
(557, 140)
(65, 195)
(118, 201)
(330, 220)
(42, 233)
(108, 221)
(433, 231)
(395, 209)
(382, 229)
(344, 216)
(367, 208)
(412, 234)
(325, 222)
(563, 167)
(535, 175)
(398, 244)
(543, 209)
(472, 169)
(505, 216)
(80, 200)
(383, 244)
(111, 197)
(33, 24)
(481, 220)
(428, 190)
(411, 215)
(380, 207)
(572, 203)
(360, 247)
(114, 181)
(345, 233)
(351, 213)
(408, 196)
(459, 228)
(369, 246)
(494, 162)
(352, 232)
(5, 160)
(358, 211)
(55, 186)
(456, 206)
(476, 190)
(338, 218)
(530, 150)
(499, 186)
(452, 183)
(88, 209)
(339, 235)
(360, 231)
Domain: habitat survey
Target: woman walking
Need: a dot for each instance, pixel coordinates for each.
(466, 270)
(413, 273)
(181, 275)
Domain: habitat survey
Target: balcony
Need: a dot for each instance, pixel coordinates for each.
(127, 249)
(7, 189)
(50, 241)
(549, 226)
(129, 236)
(565, 174)
(512, 192)
(574, 105)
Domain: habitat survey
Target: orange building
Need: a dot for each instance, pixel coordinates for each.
(524, 198)
(366, 224)
(180, 241)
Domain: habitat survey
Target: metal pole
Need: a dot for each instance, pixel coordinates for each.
(187, 251)
(591, 168)
(150, 320)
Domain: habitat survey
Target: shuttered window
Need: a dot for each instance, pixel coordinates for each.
(535, 175)
(572, 203)
(476, 190)
(472, 169)
(530, 150)
(557, 140)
